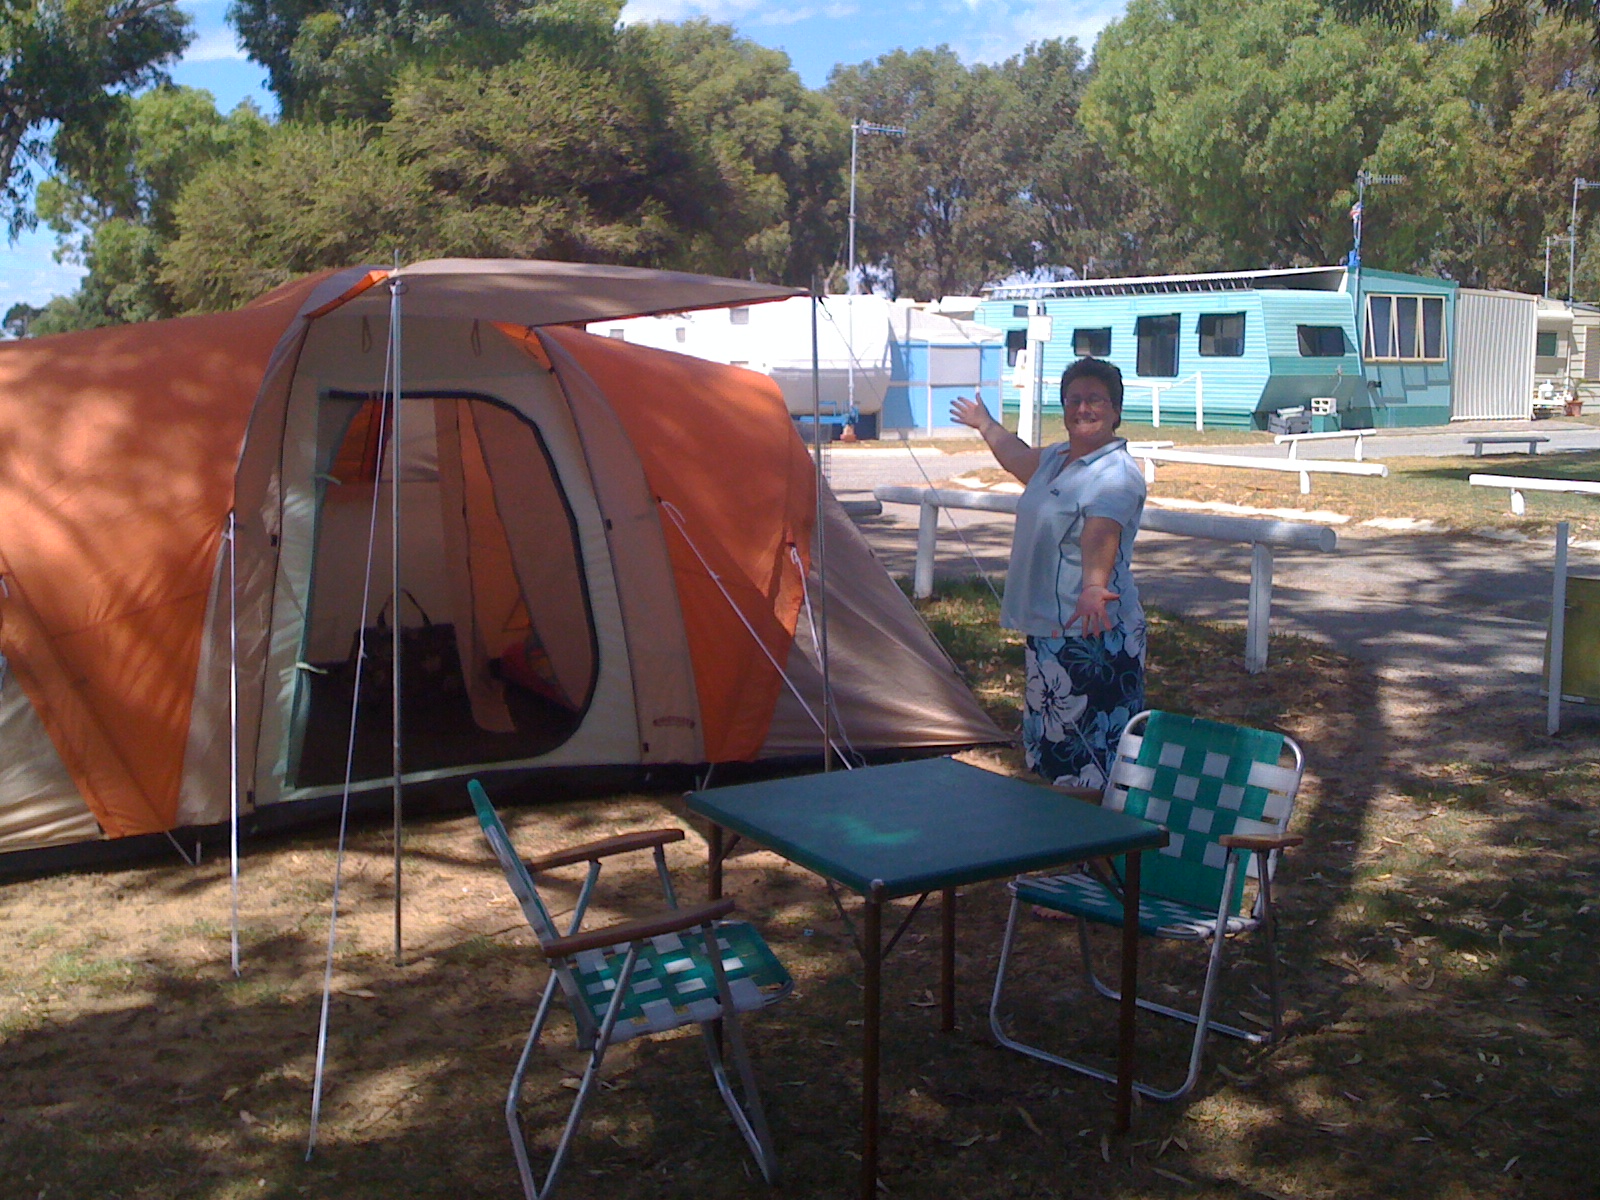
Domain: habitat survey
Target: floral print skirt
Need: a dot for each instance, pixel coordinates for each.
(1080, 693)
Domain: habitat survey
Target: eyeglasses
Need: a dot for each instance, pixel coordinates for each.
(1086, 402)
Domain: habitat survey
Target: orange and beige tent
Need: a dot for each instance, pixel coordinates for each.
(606, 555)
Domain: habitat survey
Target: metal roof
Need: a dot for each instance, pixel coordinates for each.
(1320, 279)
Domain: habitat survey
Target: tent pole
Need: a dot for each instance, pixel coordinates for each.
(396, 287)
(233, 737)
(821, 541)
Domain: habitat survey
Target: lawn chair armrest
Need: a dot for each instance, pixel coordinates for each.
(673, 920)
(623, 843)
(1260, 841)
(1091, 795)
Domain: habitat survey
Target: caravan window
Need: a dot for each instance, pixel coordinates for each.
(1548, 345)
(1321, 341)
(1091, 343)
(1222, 335)
(1016, 342)
(1405, 329)
(1158, 345)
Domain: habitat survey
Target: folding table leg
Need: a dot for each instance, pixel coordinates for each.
(947, 960)
(714, 863)
(872, 958)
(1130, 991)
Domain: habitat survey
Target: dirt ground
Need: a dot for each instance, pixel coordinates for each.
(1438, 960)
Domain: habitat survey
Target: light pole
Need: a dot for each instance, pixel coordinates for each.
(1550, 240)
(857, 128)
(1579, 184)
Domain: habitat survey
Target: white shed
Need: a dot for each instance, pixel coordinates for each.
(1496, 335)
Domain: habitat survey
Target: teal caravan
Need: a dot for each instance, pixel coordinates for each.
(1219, 351)
(1407, 326)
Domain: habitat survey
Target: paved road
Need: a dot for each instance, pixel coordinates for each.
(1445, 614)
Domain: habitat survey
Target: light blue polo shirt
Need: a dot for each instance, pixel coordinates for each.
(1046, 571)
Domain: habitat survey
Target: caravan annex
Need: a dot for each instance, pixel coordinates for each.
(607, 554)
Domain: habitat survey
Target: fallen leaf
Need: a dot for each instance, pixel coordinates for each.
(1029, 1121)
(926, 1000)
(248, 1118)
(1105, 1147)
(1511, 1162)
(359, 993)
(1174, 1176)
(965, 1142)
(230, 1093)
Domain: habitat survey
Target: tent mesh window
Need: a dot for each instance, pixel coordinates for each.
(497, 642)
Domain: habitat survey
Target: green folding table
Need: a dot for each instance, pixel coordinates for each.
(914, 828)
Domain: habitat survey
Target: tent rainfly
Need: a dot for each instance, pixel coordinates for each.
(606, 555)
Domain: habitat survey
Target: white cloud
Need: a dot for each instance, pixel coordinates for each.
(219, 45)
(1011, 33)
(730, 11)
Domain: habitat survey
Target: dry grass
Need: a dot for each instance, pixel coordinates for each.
(1437, 957)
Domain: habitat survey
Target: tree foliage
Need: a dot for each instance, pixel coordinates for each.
(338, 61)
(1203, 135)
(63, 64)
(679, 146)
(113, 197)
(1262, 157)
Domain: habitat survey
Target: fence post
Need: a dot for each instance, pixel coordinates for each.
(1558, 630)
(1255, 637)
(927, 537)
(1155, 405)
(1199, 402)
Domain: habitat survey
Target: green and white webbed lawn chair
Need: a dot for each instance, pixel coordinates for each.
(640, 977)
(1225, 794)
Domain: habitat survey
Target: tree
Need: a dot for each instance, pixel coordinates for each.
(685, 148)
(1251, 118)
(339, 60)
(763, 195)
(939, 211)
(1509, 22)
(112, 196)
(19, 317)
(63, 65)
(1084, 212)
(301, 199)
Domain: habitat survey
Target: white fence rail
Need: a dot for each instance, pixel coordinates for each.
(1293, 440)
(1305, 468)
(1518, 485)
(1260, 535)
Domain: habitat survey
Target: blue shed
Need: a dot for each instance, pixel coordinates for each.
(933, 359)
(1224, 349)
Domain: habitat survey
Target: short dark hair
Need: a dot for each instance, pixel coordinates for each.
(1095, 368)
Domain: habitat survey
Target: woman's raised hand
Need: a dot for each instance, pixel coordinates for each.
(971, 413)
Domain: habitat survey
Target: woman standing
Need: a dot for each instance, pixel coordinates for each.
(1070, 585)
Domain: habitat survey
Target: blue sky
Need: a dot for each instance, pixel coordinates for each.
(816, 34)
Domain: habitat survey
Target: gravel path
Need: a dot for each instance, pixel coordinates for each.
(1453, 623)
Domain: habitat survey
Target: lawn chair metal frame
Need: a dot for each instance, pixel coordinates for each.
(646, 967)
(1235, 805)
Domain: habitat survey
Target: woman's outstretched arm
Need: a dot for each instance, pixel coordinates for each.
(1010, 451)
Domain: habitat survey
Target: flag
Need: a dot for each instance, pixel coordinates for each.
(1355, 212)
